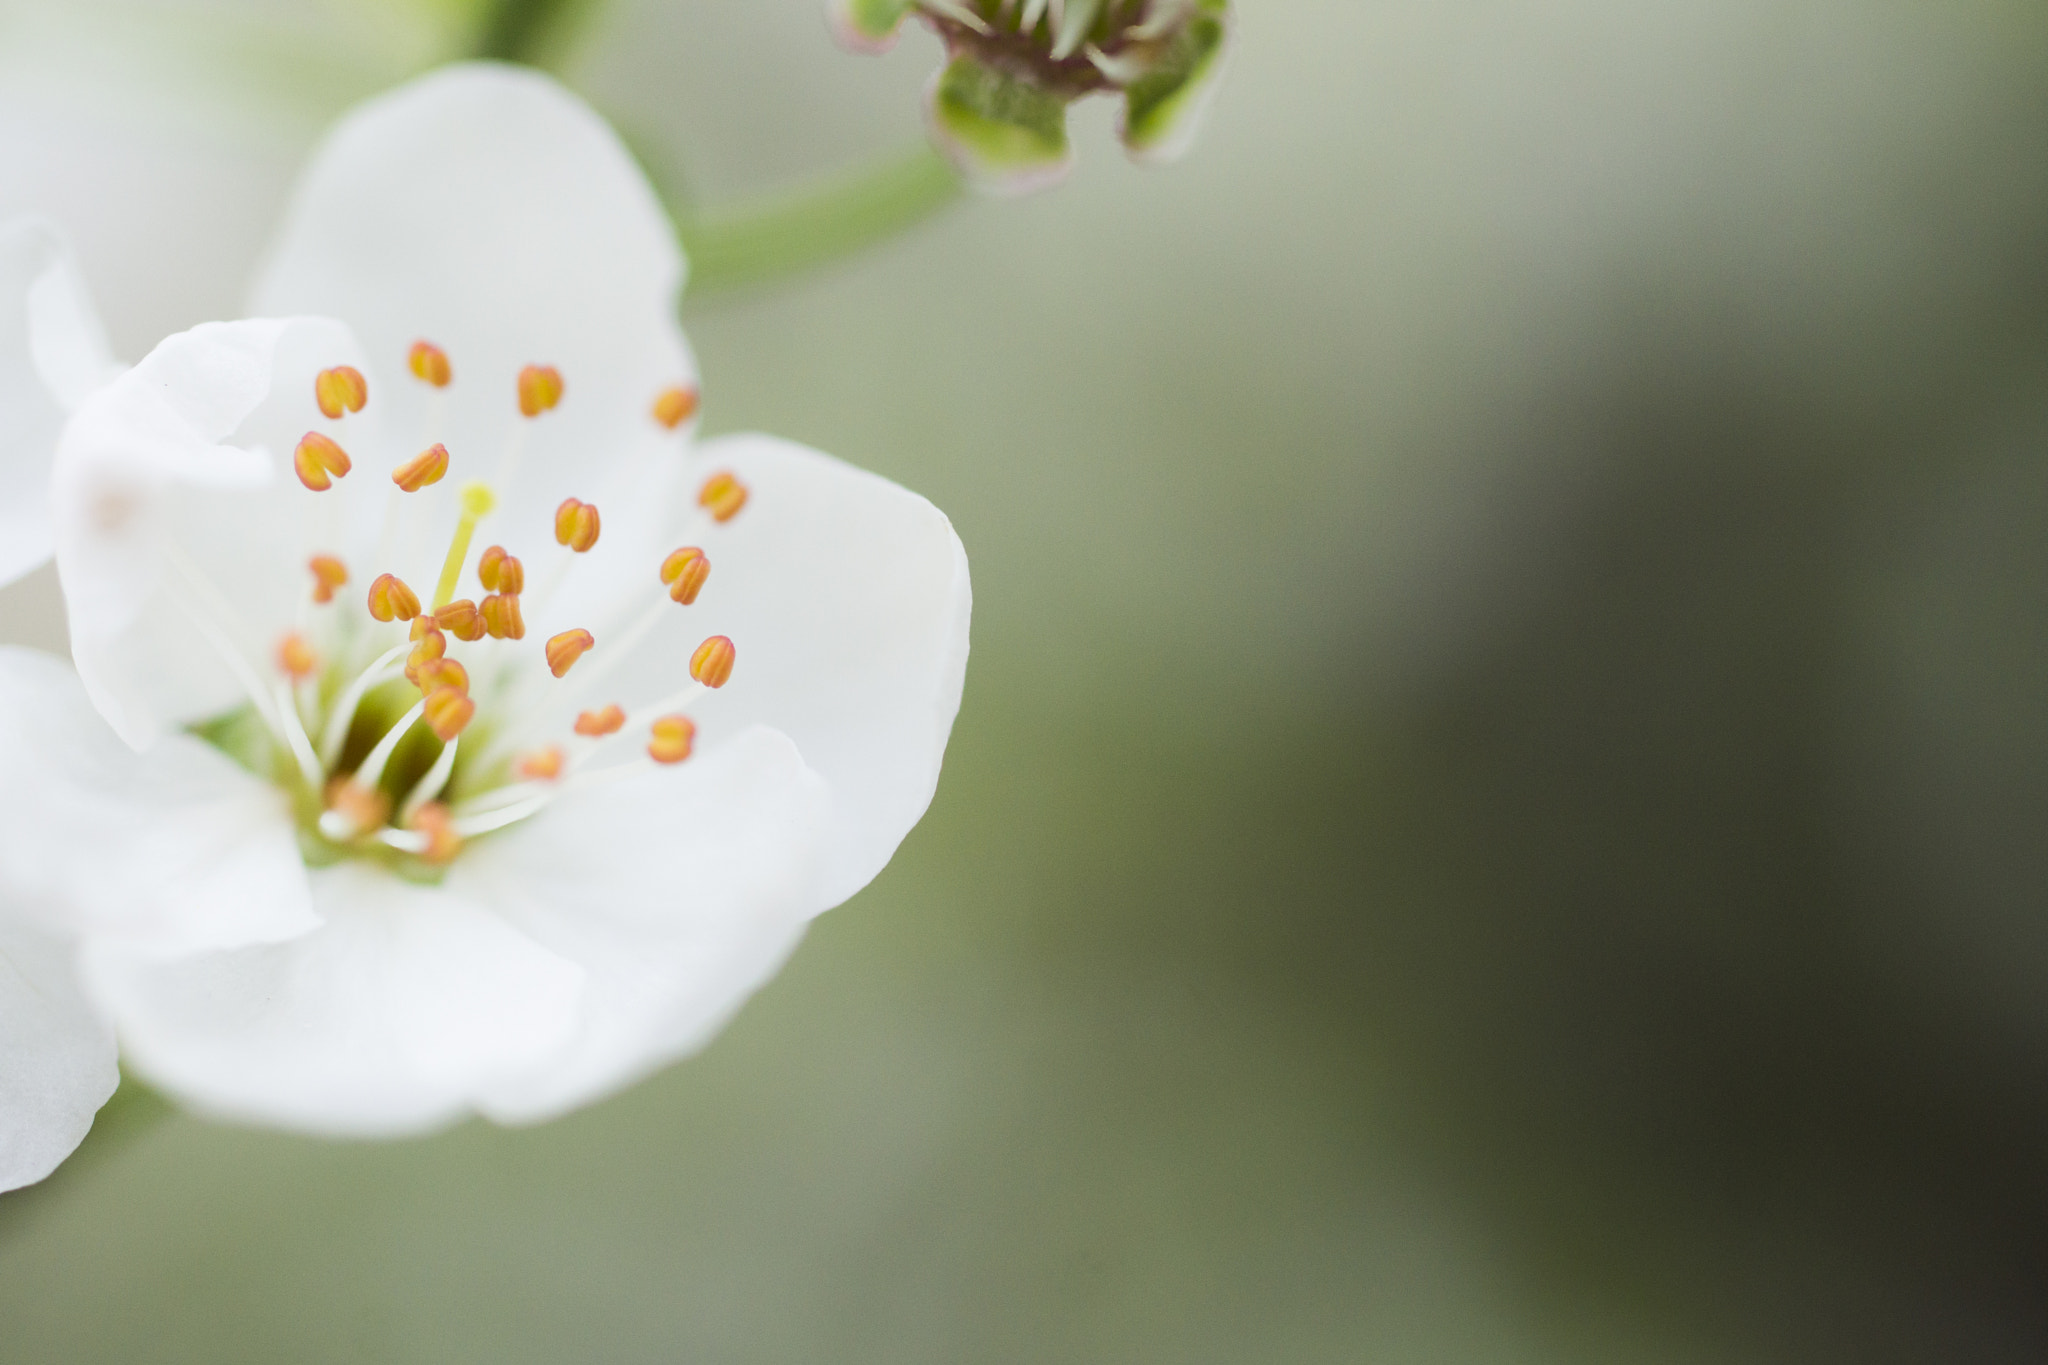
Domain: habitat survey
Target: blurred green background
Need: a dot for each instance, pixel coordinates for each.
(1497, 813)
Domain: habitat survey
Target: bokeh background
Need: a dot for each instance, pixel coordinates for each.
(1498, 810)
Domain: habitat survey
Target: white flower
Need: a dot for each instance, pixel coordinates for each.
(56, 1059)
(363, 929)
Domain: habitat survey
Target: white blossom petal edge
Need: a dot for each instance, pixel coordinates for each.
(524, 874)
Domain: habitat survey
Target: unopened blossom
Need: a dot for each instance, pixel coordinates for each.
(998, 107)
(343, 544)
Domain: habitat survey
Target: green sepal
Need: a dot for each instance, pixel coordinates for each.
(869, 25)
(1005, 134)
(1163, 108)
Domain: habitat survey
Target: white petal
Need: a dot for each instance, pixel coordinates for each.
(186, 461)
(52, 353)
(488, 210)
(176, 849)
(680, 891)
(847, 598)
(390, 1019)
(56, 1058)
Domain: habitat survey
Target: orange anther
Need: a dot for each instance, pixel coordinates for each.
(429, 363)
(430, 646)
(502, 618)
(423, 469)
(540, 388)
(340, 390)
(712, 663)
(676, 405)
(443, 843)
(487, 567)
(319, 461)
(364, 807)
(391, 600)
(461, 619)
(685, 572)
(604, 721)
(447, 710)
(436, 674)
(541, 765)
(722, 495)
(670, 739)
(329, 573)
(423, 626)
(511, 575)
(576, 525)
(296, 657)
(565, 649)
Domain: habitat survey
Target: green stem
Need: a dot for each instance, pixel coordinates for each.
(784, 235)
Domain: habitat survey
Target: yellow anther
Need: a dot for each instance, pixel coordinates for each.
(427, 467)
(296, 657)
(391, 600)
(329, 573)
(540, 388)
(712, 663)
(685, 572)
(565, 649)
(443, 843)
(318, 462)
(487, 567)
(477, 502)
(461, 619)
(362, 808)
(541, 765)
(604, 721)
(447, 711)
(670, 739)
(429, 363)
(423, 626)
(576, 525)
(436, 674)
(430, 646)
(502, 618)
(340, 390)
(676, 405)
(722, 495)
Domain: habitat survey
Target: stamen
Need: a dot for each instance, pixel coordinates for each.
(391, 600)
(565, 649)
(487, 567)
(340, 390)
(353, 806)
(477, 502)
(502, 619)
(723, 495)
(576, 525)
(461, 619)
(676, 405)
(423, 626)
(598, 724)
(685, 572)
(442, 842)
(540, 765)
(429, 363)
(329, 573)
(448, 710)
(671, 738)
(540, 388)
(712, 663)
(424, 469)
(318, 461)
(296, 658)
(438, 673)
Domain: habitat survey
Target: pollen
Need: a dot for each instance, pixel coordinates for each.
(318, 462)
(443, 843)
(296, 657)
(670, 739)
(676, 405)
(329, 573)
(502, 617)
(565, 649)
(685, 572)
(391, 600)
(429, 363)
(606, 720)
(541, 765)
(576, 525)
(447, 711)
(722, 495)
(540, 388)
(712, 663)
(427, 467)
(340, 390)
(500, 572)
(461, 619)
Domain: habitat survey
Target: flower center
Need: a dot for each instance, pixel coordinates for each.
(401, 730)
